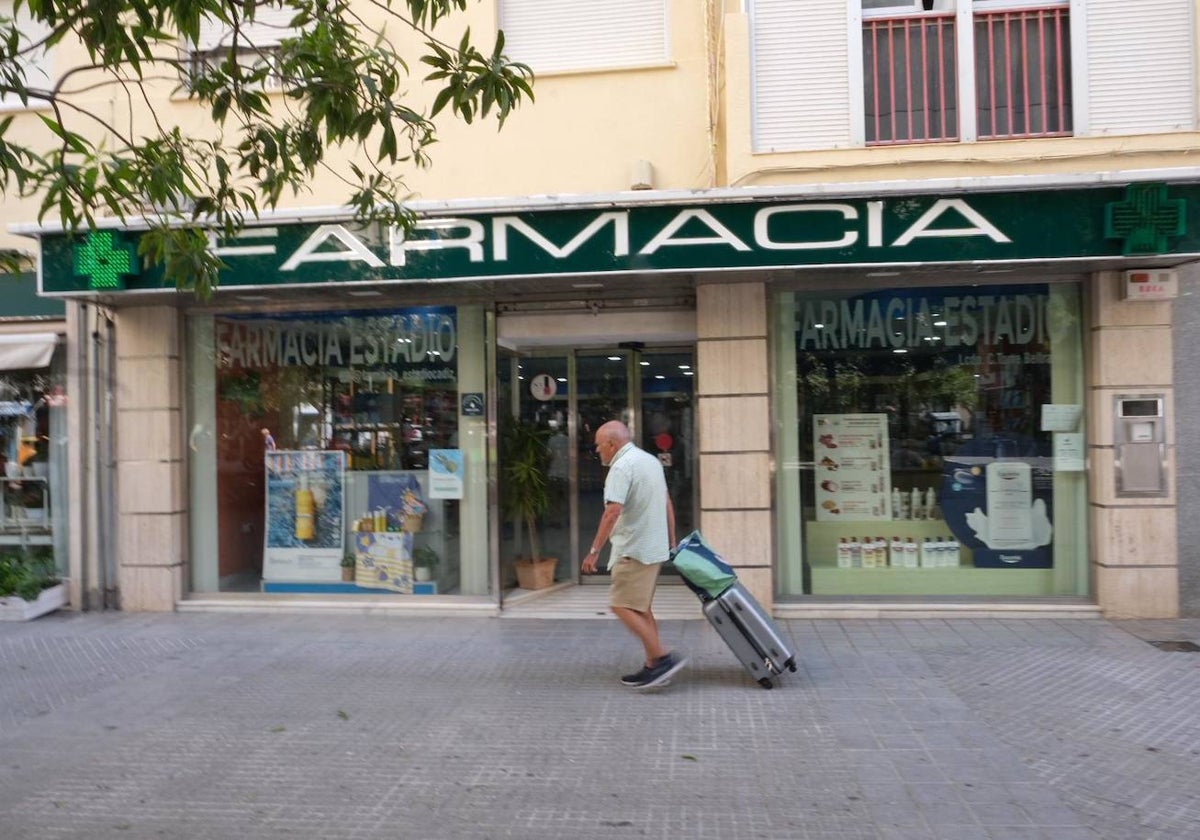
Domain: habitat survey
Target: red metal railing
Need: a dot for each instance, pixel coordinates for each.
(1022, 76)
(910, 78)
(1023, 73)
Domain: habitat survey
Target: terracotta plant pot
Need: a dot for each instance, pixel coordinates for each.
(539, 575)
(348, 573)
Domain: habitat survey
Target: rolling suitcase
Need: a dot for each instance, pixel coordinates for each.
(750, 634)
(733, 612)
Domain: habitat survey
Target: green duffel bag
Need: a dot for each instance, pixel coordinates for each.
(701, 568)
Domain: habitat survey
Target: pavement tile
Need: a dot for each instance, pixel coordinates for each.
(341, 727)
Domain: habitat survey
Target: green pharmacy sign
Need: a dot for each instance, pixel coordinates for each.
(104, 260)
(928, 229)
(1146, 219)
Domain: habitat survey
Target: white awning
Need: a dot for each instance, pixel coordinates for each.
(27, 350)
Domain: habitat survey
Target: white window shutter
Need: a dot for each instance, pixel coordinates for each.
(270, 26)
(1140, 66)
(800, 75)
(561, 35)
(39, 64)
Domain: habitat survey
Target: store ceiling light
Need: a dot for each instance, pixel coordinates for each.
(614, 358)
(659, 376)
(900, 350)
(645, 364)
(689, 373)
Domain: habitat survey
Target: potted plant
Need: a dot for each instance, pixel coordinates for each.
(425, 563)
(525, 456)
(29, 586)
(349, 561)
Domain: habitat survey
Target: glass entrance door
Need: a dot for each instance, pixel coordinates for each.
(569, 394)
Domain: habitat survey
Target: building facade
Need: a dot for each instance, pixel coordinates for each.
(886, 288)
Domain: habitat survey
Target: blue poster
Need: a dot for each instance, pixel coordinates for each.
(304, 530)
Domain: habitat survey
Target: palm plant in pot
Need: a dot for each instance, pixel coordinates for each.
(525, 456)
(425, 563)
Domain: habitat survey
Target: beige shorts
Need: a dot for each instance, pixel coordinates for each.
(633, 584)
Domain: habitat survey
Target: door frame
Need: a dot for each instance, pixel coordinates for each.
(632, 353)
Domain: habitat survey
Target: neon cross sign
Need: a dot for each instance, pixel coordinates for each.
(105, 260)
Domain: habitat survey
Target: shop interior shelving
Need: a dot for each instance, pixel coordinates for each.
(17, 527)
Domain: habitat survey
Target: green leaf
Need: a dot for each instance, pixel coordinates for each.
(342, 100)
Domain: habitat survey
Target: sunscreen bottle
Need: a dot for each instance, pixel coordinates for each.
(305, 508)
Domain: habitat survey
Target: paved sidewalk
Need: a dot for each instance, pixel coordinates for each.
(316, 726)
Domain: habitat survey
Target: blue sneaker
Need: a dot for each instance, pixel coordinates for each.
(637, 678)
(660, 673)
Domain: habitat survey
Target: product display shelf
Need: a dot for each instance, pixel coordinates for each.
(821, 538)
(960, 580)
(821, 541)
(17, 526)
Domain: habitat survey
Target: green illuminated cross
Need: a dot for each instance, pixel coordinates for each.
(1145, 219)
(104, 260)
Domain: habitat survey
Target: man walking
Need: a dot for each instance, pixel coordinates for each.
(640, 520)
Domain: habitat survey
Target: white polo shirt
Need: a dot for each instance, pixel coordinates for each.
(636, 482)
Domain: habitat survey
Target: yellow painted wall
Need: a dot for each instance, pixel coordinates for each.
(582, 135)
(690, 119)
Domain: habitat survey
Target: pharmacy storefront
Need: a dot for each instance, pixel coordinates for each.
(890, 391)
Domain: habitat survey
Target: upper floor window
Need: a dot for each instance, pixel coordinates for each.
(1019, 75)
(253, 45)
(27, 53)
(577, 35)
(1022, 71)
(847, 73)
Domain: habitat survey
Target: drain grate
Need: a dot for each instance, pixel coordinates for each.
(1177, 646)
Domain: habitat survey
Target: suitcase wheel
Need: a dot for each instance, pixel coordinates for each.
(766, 683)
(791, 664)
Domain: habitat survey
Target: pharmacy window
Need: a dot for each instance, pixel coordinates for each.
(938, 442)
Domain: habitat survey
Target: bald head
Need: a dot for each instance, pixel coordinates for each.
(609, 438)
(613, 431)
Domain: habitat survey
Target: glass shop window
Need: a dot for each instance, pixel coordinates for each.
(937, 444)
(327, 428)
(33, 465)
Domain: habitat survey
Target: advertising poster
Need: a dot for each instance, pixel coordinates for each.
(396, 495)
(304, 511)
(384, 561)
(997, 499)
(445, 474)
(852, 469)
